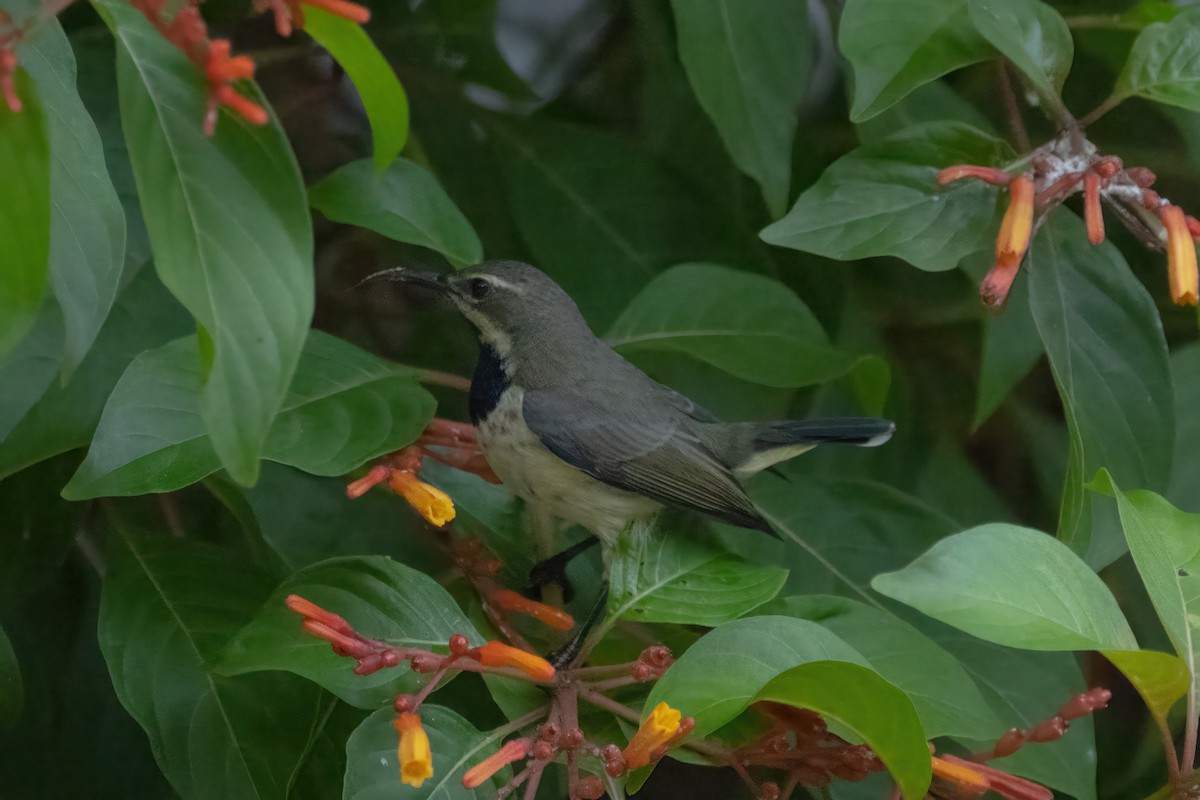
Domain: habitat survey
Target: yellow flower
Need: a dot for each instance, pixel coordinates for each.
(416, 759)
(657, 731)
(499, 654)
(430, 502)
(1015, 231)
(1181, 257)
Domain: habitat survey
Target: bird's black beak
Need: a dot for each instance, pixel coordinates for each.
(428, 280)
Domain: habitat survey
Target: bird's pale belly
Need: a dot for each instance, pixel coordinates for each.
(541, 478)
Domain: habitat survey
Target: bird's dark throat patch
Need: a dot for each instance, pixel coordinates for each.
(487, 384)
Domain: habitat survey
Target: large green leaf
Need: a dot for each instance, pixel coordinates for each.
(1012, 586)
(66, 416)
(1185, 466)
(344, 407)
(748, 63)
(944, 695)
(87, 223)
(603, 216)
(1160, 679)
(1102, 333)
(167, 606)
(405, 203)
(718, 677)
(748, 325)
(24, 213)
(373, 772)
(29, 369)
(1034, 37)
(883, 200)
(379, 597)
(661, 575)
(230, 230)
(1162, 65)
(378, 87)
(896, 46)
(866, 704)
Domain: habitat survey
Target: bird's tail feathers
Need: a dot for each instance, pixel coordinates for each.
(778, 441)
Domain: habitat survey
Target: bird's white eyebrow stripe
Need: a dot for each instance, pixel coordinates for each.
(500, 282)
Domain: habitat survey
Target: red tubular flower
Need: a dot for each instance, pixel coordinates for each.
(498, 654)
(551, 617)
(1091, 208)
(1015, 231)
(510, 752)
(1181, 257)
(996, 177)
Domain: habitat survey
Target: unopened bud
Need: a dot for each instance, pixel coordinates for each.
(1049, 731)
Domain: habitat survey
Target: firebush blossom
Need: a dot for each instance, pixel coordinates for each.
(551, 617)
(416, 759)
(430, 502)
(1181, 257)
(499, 654)
(1011, 244)
(510, 752)
(658, 731)
(289, 13)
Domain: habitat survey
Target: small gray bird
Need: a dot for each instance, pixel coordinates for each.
(583, 435)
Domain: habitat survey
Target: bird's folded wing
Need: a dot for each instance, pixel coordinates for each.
(645, 453)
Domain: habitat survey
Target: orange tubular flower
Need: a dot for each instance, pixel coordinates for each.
(289, 14)
(996, 177)
(416, 759)
(1091, 208)
(510, 752)
(657, 732)
(498, 654)
(551, 617)
(1181, 257)
(1015, 231)
(966, 781)
(430, 502)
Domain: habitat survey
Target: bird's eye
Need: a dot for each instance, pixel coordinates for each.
(478, 288)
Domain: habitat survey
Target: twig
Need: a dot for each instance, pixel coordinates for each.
(1015, 121)
(1111, 102)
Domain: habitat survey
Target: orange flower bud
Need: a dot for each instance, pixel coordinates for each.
(1091, 208)
(498, 654)
(658, 731)
(430, 502)
(510, 752)
(551, 617)
(996, 177)
(310, 610)
(966, 780)
(1181, 257)
(416, 759)
(351, 11)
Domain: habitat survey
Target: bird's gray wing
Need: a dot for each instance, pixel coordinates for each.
(639, 451)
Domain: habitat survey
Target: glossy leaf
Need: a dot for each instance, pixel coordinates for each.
(379, 597)
(1013, 586)
(1102, 333)
(373, 772)
(748, 63)
(883, 200)
(166, 608)
(946, 698)
(24, 213)
(659, 575)
(87, 223)
(404, 202)
(1185, 467)
(344, 407)
(29, 370)
(1159, 678)
(718, 677)
(230, 230)
(896, 46)
(12, 692)
(382, 95)
(748, 325)
(1034, 37)
(1162, 64)
(873, 709)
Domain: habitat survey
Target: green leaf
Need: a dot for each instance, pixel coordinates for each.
(404, 202)
(1185, 467)
(12, 692)
(87, 223)
(379, 597)
(1162, 66)
(748, 62)
(27, 372)
(658, 575)
(1102, 333)
(602, 216)
(1160, 679)
(373, 772)
(167, 606)
(750, 326)
(933, 102)
(1012, 586)
(230, 230)
(946, 698)
(24, 213)
(378, 87)
(883, 200)
(718, 677)
(896, 46)
(344, 408)
(1035, 38)
(873, 709)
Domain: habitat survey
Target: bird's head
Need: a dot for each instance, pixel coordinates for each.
(506, 301)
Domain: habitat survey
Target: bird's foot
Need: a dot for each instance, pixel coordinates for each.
(553, 570)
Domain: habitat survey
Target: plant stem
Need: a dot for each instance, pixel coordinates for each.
(1015, 122)
(1111, 102)
(1168, 741)
(1189, 733)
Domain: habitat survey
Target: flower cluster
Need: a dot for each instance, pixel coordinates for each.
(290, 13)
(1068, 165)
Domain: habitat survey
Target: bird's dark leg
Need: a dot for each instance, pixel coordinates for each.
(554, 569)
(565, 655)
